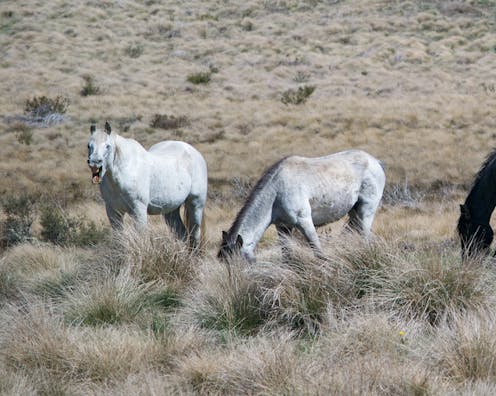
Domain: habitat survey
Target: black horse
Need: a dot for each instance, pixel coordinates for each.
(475, 232)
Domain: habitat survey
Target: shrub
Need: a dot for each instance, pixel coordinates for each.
(43, 106)
(23, 132)
(62, 229)
(20, 215)
(165, 121)
(134, 50)
(298, 96)
(200, 78)
(89, 87)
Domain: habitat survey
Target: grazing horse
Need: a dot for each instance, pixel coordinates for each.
(473, 226)
(302, 193)
(158, 181)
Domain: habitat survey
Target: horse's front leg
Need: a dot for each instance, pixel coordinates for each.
(284, 232)
(115, 217)
(139, 215)
(307, 228)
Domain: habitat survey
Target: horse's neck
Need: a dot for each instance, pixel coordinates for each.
(254, 218)
(481, 199)
(124, 157)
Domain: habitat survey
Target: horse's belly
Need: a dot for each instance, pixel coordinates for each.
(156, 207)
(167, 195)
(328, 211)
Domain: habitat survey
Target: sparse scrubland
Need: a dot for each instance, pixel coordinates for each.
(87, 311)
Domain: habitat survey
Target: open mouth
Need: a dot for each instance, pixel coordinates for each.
(95, 174)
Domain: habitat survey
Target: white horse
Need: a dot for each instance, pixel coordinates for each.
(158, 181)
(302, 193)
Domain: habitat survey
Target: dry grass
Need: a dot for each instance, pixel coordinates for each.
(137, 313)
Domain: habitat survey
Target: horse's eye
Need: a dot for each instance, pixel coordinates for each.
(107, 146)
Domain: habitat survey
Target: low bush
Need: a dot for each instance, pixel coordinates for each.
(164, 121)
(89, 87)
(298, 96)
(62, 229)
(199, 78)
(43, 106)
(23, 132)
(19, 216)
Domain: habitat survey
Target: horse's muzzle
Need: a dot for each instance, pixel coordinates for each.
(95, 174)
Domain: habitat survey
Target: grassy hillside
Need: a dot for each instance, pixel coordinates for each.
(84, 312)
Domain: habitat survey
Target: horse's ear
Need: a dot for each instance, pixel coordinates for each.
(239, 242)
(107, 128)
(92, 128)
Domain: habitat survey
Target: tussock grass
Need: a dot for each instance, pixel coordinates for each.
(228, 297)
(434, 286)
(251, 367)
(465, 347)
(38, 339)
(154, 254)
(137, 313)
(113, 300)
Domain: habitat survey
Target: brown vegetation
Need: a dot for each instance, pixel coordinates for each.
(86, 312)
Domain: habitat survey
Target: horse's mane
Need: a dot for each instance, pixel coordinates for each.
(489, 162)
(262, 182)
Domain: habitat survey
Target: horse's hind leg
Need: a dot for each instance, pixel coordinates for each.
(362, 216)
(194, 214)
(173, 220)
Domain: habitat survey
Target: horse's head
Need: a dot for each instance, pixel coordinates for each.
(474, 237)
(100, 151)
(231, 246)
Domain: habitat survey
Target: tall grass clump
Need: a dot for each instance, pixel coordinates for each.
(464, 349)
(110, 300)
(40, 269)
(296, 292)
(364, 354)
(39, 342)
(263, 364)
(432, 285)
(229, 298)
(155, 254)
(311, 287)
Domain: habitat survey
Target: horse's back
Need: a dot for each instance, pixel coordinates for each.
(331, 184)
(347, 167)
